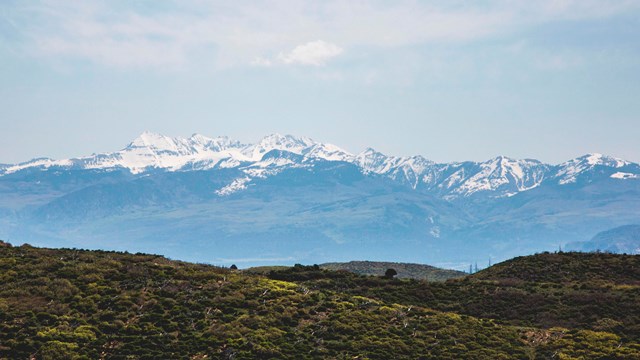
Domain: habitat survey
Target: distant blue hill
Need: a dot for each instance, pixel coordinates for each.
(622, 239)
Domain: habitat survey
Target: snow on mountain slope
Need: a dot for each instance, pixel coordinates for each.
(289, 143)
(272, 163)
(236, 185)
(451, 176)
(371, 160)
(569, 171)
(154, 151)
(623, 175)
(328, 152)
(505, 174)
(409, 170)
(151, 150)
(459, 179)
(39, 162)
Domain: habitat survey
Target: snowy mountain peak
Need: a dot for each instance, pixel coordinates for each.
(369, 151)
(204, 140)
(600, 159)
(501, 175)
(568, 172)
(216, 144)
(153, 140)
(371, 160)
(328, 152)
(409, 170)
(276, 141)
(286, 141)
(503, 166)
(509, 161)
(499, 163)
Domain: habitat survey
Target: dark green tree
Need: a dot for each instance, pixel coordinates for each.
(390, 273)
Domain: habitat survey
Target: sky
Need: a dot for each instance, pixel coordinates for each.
(449, 80)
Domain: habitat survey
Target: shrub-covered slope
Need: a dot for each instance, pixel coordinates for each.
(71, 304)
(568, 267)
(599, 292)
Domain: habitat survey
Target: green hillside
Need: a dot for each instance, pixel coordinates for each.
(404, 270)
(72, 304)
(568, 267)
(571, 290)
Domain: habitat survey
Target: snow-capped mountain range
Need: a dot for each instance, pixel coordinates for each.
(288, 199)
(497, 177)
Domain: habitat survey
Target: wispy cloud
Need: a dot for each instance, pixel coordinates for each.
(314, 53)
(223, 34)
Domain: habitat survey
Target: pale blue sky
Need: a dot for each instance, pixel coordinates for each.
(450, 80)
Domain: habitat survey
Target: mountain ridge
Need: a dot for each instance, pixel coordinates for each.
(501, 175)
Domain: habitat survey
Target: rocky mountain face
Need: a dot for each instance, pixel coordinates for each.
(291, 199)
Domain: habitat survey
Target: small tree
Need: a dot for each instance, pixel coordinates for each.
(390, 273)
(233, 267)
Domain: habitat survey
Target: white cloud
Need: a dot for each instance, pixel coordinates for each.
(312, 53)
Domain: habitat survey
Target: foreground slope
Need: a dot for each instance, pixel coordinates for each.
(71, 304)
(68, 304)
(589, 292)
